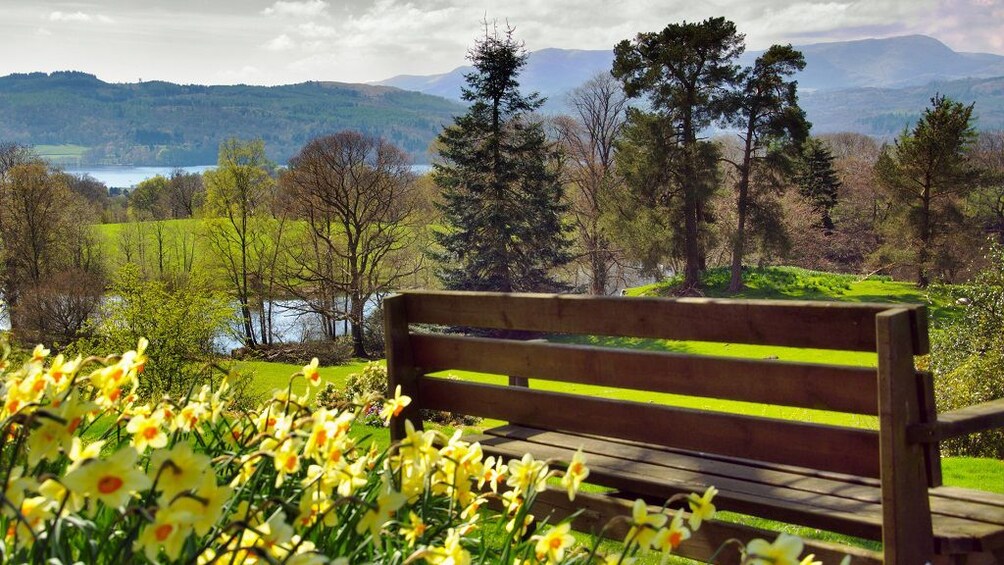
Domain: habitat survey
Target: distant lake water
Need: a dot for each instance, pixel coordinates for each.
(128, 177)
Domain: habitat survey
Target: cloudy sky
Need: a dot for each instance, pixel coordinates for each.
(286, 41)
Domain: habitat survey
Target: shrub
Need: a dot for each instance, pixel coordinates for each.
(180, 323)
(372, 383)
(967, 356)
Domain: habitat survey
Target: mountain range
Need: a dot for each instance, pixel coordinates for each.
(161, 123)
(873, 86)
(910, 60)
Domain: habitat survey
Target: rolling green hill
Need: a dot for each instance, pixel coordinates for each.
(160, 123)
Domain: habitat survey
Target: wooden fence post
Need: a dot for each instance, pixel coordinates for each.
(401, 369)
(907, 536)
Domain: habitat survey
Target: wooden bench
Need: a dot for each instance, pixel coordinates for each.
(879, 484)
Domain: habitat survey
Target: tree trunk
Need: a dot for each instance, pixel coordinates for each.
(357, 319)
(742, 204)
(923, 254)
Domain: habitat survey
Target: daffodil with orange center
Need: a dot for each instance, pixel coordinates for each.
(552, 545)
(147, 431)
(669, 538)
(644, 525)
(311, 373)
(168, 531)
(575, 474)
(527, 473)
(286, 460)
(205, 504)
(393, 406)
(112, 480)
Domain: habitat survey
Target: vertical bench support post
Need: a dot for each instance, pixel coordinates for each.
(907, 536)
(401, 368)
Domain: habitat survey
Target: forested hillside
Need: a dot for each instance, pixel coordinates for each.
(160, 123)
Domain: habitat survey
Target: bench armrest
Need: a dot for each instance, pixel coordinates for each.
(964, 421)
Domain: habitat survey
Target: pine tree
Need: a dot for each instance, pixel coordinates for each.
(501, 194)
(927, 172)
(818, 181)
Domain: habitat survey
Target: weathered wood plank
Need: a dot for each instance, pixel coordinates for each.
(822, 325)
(907, 532)
(929, 414)
(805, 385)
(834, 448)
(964, 421)
(400, 366)
(942, 502)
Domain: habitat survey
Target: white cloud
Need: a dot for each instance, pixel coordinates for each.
(296, 8)
(78, 16)
(314, 31)
(43, 32)
(280, 43)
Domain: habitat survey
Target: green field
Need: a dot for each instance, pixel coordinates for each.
(66, 155)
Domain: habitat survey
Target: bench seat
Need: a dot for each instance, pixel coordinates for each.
(965, 521)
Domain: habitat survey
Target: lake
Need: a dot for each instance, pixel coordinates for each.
(128, 176)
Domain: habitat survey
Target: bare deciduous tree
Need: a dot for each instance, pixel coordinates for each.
(587, 138)
(356, 195)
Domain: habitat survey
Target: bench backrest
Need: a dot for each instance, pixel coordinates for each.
(817, 325)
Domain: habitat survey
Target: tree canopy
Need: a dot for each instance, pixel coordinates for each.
(501, 192)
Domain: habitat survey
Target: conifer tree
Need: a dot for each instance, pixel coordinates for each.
(818, 181)
(501, 194)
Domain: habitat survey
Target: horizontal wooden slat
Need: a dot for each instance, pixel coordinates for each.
(804, 385)
(843, 508)
(943, 502)
(822, 325)
(964, 421)
(832, 448)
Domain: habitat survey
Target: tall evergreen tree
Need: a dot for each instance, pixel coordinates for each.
(684, 71)
(772, 125)
(927, 172)
(818, 181)
(501, 193)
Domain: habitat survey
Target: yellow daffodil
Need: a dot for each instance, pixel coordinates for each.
(387, 503)
(205, 504)
(177, 469)
(39, 353)
(311, 373)
(494, 470)
(644, 525)
(669, 538)
(169, 530)
(451, 553)
(527, 473)
(316, 505)
(147, 431)
(414, 529)
(393, 406)
(286, 460)
(784, 551)
(552, 545)
(112, 480)
(80, 453)
(61, 497)
(16, 489)
(35, 513)
(701, 507)
(575, 474)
